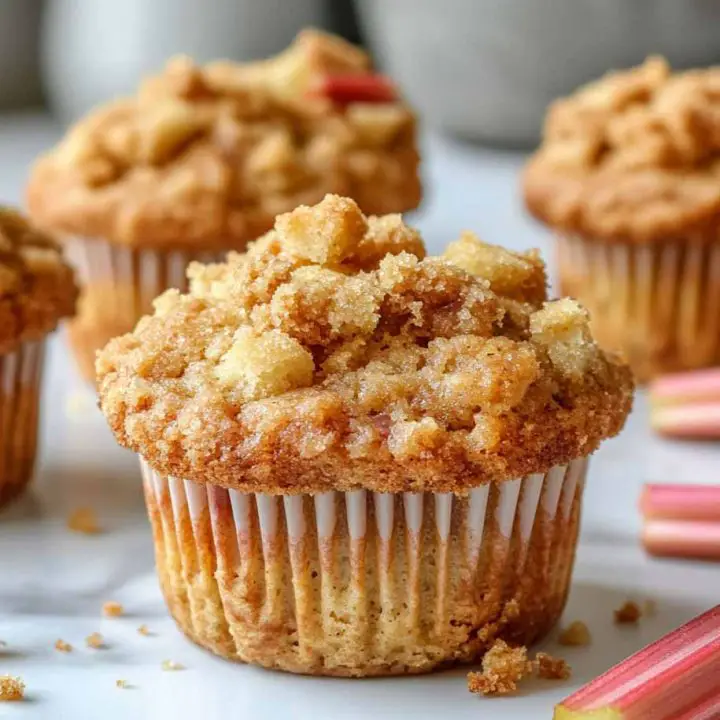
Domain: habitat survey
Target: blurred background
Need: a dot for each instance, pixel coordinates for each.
(481, 69)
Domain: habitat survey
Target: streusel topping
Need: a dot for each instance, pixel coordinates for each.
(633, 156)
(209, 155)
(333, 353)
(37, 287)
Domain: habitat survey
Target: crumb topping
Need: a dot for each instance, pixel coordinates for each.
(633, 156)
(334, 340)
(84, 520)
(12, 689)
(95, 640)
(503, 667)
(576, 634)
(62, 646)
(628, 614)
(112, 609)
(208, 155)
(37, 287)
(548, 667)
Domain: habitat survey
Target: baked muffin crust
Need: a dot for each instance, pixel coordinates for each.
(633, 157)
(37, 287)
(208, 156)
(334, 354)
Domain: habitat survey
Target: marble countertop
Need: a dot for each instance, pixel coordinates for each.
(55, 582)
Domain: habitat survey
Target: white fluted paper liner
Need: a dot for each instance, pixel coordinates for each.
(659, 303)
(365, 583)
(120, 284)
(20, 376)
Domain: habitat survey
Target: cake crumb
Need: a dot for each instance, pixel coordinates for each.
(95, 640)
(551, 668)
(112, 609)
(11, 688)
(628, 614)
(144, 630)
(172, 665)
(84, 520)
(502, 668)
(121, 684)
(62, 646)
(576, 634)
(649, 608)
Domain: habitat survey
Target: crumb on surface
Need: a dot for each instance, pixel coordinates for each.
(629, 614)
(11, 688)
(172, 665)
(84, 520)
(575, 634)
(95, 640)
(551, 668)
(121, 684)
(62, 646)
(144, 630)
(112, 609)
(502, 668)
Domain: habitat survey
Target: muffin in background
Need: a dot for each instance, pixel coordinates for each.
(37, 289)
(628, 177)
(201, 161)
(359, 460)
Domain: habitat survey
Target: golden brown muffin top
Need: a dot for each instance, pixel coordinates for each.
(334, 355)
(208, 156)
(37, 287)
(634, 156)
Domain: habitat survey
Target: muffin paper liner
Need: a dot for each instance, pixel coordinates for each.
(659, 304)
(20, 379)
(119, 285)
(365, 583)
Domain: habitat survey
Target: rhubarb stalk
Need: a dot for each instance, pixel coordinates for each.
(681, 502)
(675, 678)
(682, 538)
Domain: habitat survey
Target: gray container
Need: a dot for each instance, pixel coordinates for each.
(487, 69)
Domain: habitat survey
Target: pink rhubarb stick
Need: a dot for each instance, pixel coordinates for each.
(677, 677)
(344, 89)
(681, 502)
(699, 420)
(682, 538)
(687, 387)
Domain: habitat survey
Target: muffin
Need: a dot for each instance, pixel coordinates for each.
(359, 460)
(37, 289)
(201, 161)
(628, 176)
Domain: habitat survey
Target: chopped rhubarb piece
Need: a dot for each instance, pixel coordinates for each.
(675, 677)
(682, 538)
(684, 388)
(344, 89)
(690, 420)
(681, 502)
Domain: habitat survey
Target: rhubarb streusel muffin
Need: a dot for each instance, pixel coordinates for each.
(359, 460)
(628, 176)
(203, 159)
(37, 289)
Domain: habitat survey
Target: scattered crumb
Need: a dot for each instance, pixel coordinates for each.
(502, 668)
(95, 640)
(121, 684)
(112, 609)
(172, 665)
(62, 646)
(649, 608)
(144, 630)
(551, 668)
(11, 688)
(628, 614)
(84, 520)
(576, 634)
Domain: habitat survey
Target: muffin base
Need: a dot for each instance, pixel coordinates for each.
(658, 304)
(20, 374)
(360, 583)
(119, 285)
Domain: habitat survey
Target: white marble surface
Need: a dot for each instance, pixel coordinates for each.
(54, 582)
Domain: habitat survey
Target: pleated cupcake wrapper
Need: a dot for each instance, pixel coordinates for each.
(660, 304)
(20, 379)
(307, 558)
(120, 284)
